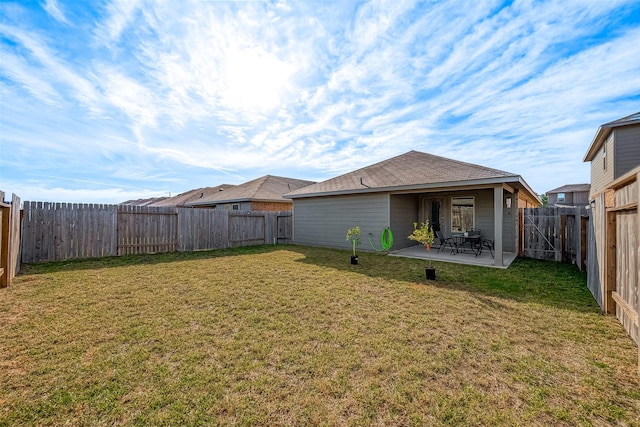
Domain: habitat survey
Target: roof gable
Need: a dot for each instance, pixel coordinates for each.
(605, 130)
(413, 168)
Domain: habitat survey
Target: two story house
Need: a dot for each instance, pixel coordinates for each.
(569, 195)
(613, 266)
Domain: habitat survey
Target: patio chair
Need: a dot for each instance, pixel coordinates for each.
(485, 243)
(446, 241)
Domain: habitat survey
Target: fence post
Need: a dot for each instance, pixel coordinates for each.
(4, 242)
(563, 238)
(610, 262)
(9, 239)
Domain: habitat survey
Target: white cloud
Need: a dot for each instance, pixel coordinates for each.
(53, 9)
(43, 64)
(19, 71)
(186, 93)
(120, 14)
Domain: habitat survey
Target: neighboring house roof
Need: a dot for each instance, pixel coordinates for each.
(605, 130)
(268, 188)
(143, 202)
(192, 195)
(571, 188)
(414, 170)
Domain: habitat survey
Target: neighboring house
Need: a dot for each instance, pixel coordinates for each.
(143, 202)
(261, 194)
(569, 195)
(613, 264)
(413, 187)
(192, 196)
(614, 151)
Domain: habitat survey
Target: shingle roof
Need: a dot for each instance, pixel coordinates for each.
(414, 168)
(143, 202)
(633, 118)
(192, 195)
(266, 188)
(571, 188)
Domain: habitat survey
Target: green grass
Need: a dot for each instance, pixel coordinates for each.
(291, 335)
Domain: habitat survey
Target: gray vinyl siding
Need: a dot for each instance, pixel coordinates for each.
(483, 200)
(600, 176)
(580, 198)
(553, 198)
(324, 221)
(627, 149)
(575, 198)
(404, 212)
(484, 213)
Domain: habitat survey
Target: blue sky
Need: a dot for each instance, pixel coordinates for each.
(114, 100)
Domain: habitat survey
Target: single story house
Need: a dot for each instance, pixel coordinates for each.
(191, 196)
(261, 194)
(569, 195)
(142, 202)
(413, 187)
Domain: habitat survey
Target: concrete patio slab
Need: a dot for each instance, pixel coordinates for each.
(484, 259)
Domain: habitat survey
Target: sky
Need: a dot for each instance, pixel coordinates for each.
(106, 101)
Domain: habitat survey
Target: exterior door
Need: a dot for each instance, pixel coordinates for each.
(435, 214)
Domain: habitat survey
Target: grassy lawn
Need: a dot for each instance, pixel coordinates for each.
(291, 335)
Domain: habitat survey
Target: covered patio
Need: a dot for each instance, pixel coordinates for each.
(484, 259)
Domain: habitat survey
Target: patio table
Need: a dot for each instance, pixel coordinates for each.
(472, 241)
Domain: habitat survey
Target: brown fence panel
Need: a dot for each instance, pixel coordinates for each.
(147, 230)
(247, 228)
(60, 231)
(201, 229)
(9, 239)
(553, 233)
(284, 224)
(13, 265)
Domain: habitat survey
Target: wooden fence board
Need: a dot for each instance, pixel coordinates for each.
(201, 229)
(9, 239)
(553, 233)
(143, 229)
(247, 229)
(59, 231)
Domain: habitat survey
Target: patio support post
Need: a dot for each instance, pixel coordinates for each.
(498, 219)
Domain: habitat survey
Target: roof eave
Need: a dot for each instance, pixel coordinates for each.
(430, 186)
(601, 135)
(216, 202)
(220, 202)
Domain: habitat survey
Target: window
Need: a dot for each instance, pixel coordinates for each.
(604, 156)
(560, 197)
(462, 213)
(235, 207)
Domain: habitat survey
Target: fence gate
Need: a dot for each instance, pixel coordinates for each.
(556, 234)
(284, 226)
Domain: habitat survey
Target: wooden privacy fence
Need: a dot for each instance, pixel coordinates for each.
(9, 239)
(613, 276)
(60, 231)
(557, 234)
